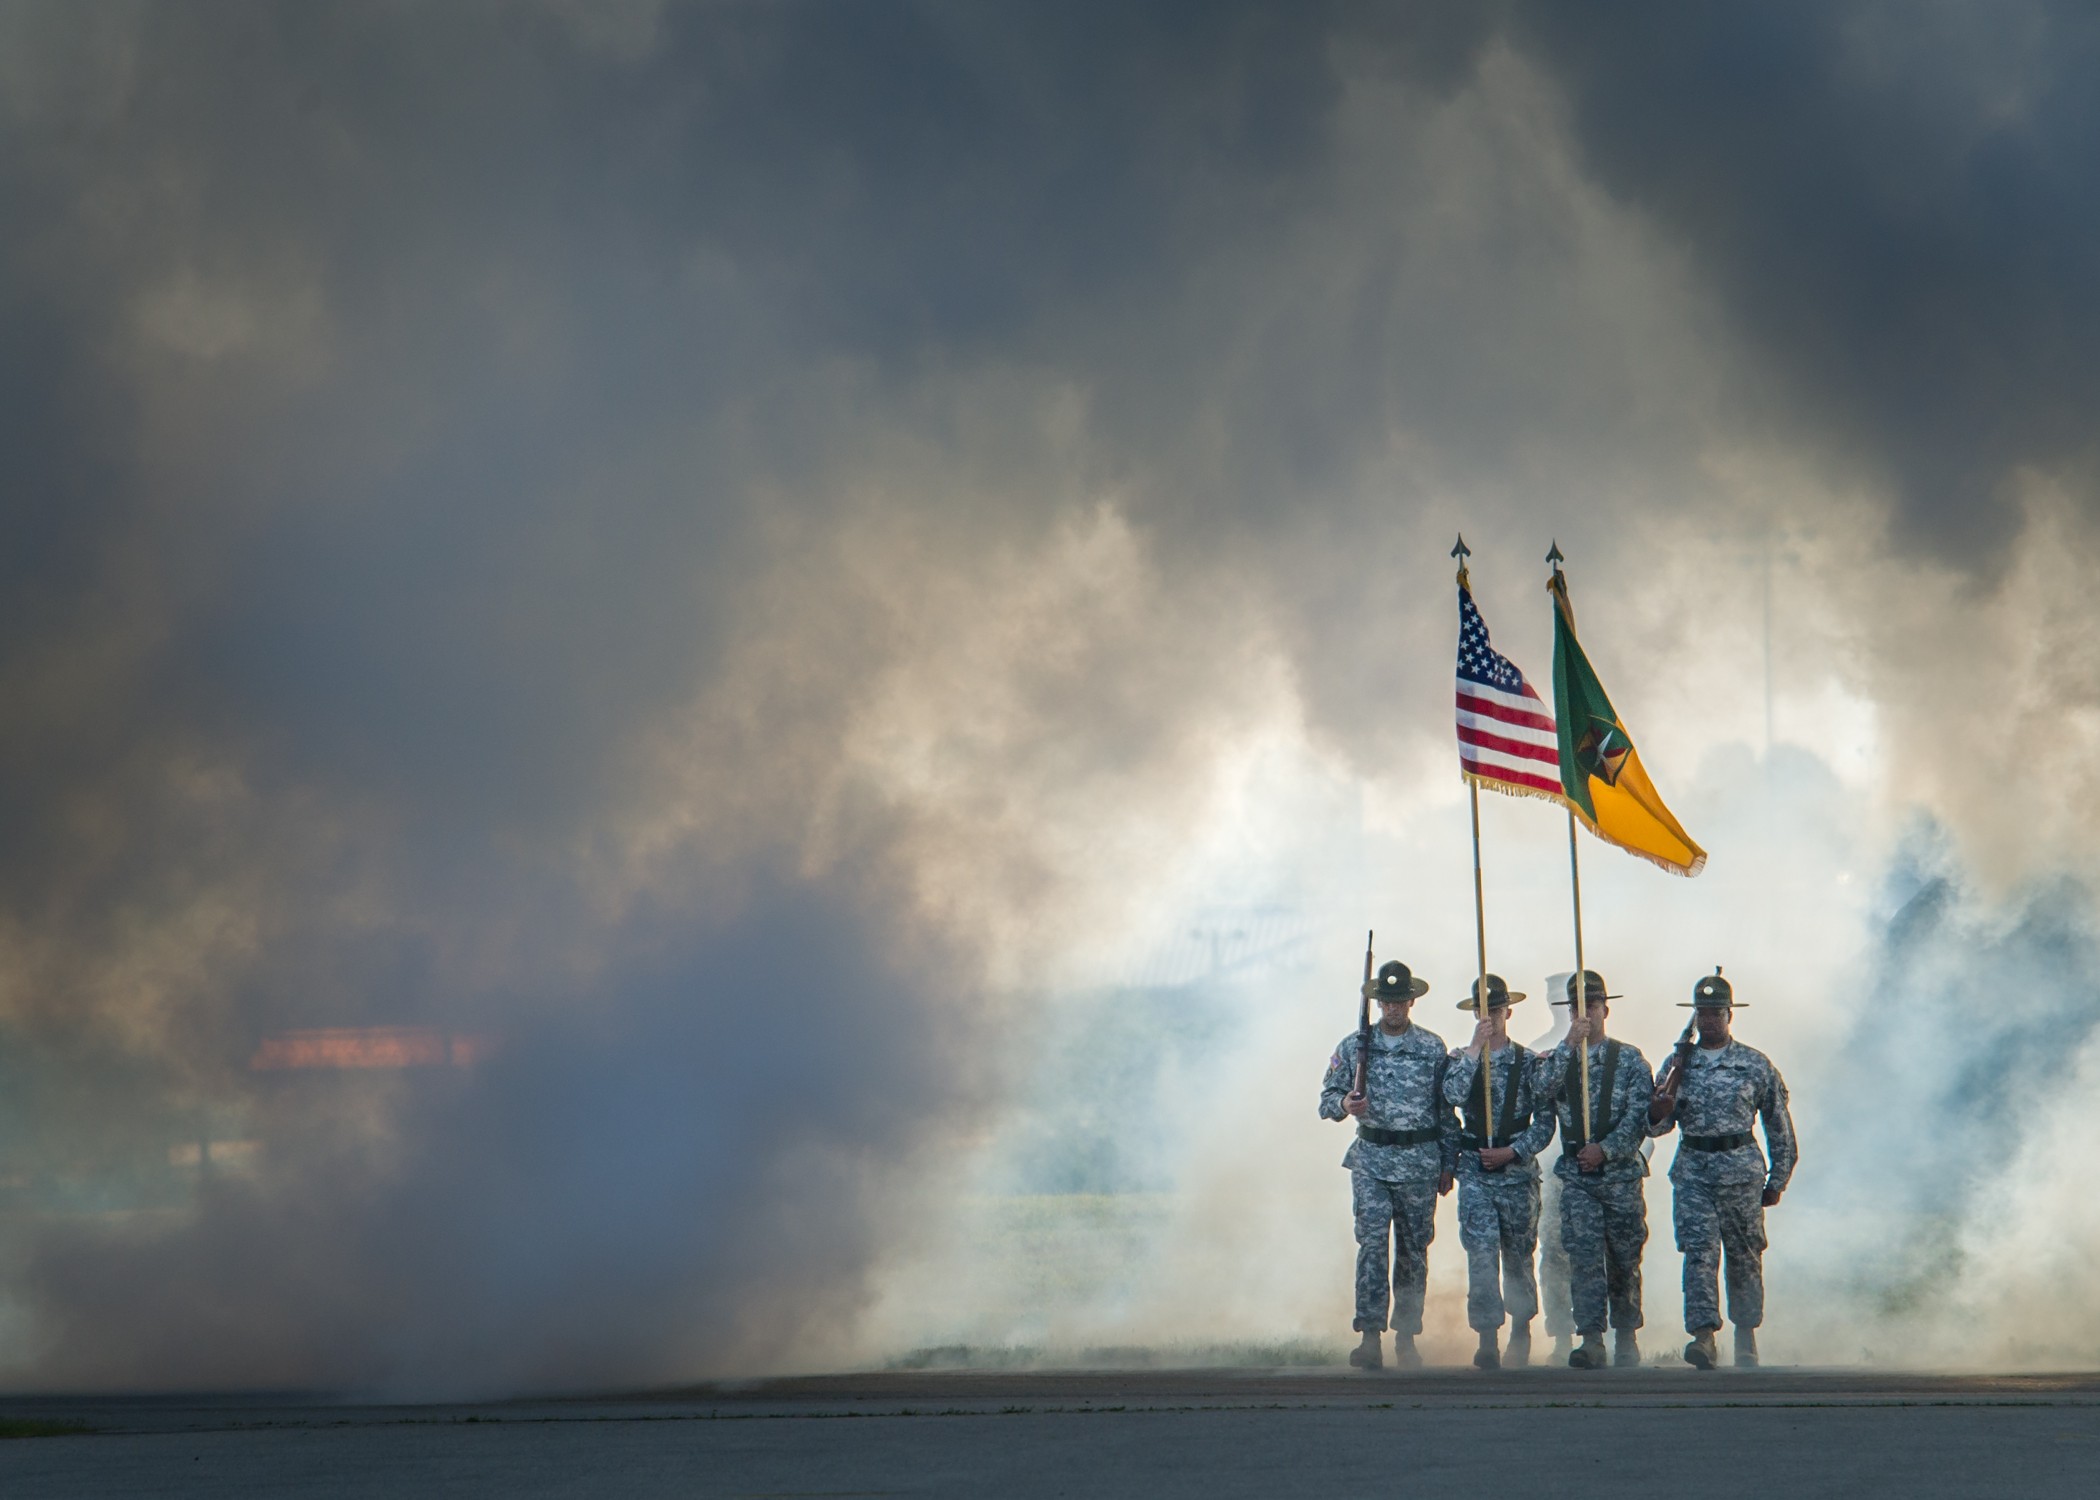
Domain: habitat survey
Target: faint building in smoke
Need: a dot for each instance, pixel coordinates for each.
(1085, 1177)
(302, 1084)
(1105, 1052)
(320, 1092)
(115, 1147)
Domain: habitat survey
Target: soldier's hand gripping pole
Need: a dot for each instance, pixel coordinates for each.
(1363, 1027)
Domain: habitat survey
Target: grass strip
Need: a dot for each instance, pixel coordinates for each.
(27, 1427)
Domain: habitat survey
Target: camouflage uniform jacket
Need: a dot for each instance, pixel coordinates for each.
(1462, 1092)
(1723, 1089)
(1406, 1092)
(1621, 1122)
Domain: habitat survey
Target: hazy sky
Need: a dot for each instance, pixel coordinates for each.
(745, 549)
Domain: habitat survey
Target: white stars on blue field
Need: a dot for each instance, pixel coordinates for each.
(1477, 660)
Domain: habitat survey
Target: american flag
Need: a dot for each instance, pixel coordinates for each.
(1506, 738)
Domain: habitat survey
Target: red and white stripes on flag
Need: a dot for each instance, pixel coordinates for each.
(1506, 738)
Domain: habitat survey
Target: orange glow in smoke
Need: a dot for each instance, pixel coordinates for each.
(369, 1047)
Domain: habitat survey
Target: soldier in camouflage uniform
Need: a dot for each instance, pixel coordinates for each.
(1720, 1180)
(1498, 1176)
(1603, 1207)
(1400, 1163)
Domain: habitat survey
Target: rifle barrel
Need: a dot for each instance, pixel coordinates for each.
(1363, 1023)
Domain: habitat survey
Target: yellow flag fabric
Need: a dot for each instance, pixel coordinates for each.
(1601, 772)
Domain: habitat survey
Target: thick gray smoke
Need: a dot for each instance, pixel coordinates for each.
(757, 564)
(1887, 200)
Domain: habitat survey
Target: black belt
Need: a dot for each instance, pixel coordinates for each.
(1373, 1136)
(1717, 1142)
(1470, 1142)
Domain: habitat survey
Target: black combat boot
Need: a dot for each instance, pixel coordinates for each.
(1404, 1351)
(1487, 1356)
(1518, 1354)
(1700, 1353)
(1589, 1354)
(1368, 1355)
(1745, 1348)
(1626, 1354)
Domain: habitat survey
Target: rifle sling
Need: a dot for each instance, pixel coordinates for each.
(1476, 1106)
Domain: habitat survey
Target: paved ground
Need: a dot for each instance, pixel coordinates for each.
(1160, 1434)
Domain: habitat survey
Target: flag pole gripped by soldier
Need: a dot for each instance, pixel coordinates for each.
(1507, 738)
(1480, 1004)
(1604, 784)
(1581, 981)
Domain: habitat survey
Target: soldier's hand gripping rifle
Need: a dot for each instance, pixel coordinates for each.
(1664, 1098)
(1363, 1029)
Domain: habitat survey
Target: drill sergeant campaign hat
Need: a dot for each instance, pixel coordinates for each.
(1592, 988)
(1500, 996)
(1713, 993)
(1395, 981)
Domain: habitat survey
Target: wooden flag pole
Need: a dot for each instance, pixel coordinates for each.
(1581, 980)
(1582, 985)
(1480, 930)
(1480, 992)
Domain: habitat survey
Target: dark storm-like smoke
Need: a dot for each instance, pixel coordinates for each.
(1891, 202)
(417, 427)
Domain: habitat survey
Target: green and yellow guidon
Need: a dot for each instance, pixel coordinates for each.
(1600, 770)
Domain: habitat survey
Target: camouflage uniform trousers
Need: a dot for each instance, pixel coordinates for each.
(1710, 1218)
(1553, 1263)
(1604, 1225)
(1408, 1211)
(1498, 1223)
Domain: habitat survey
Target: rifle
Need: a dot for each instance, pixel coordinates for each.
(1363, 1028)
(1680, 1059)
